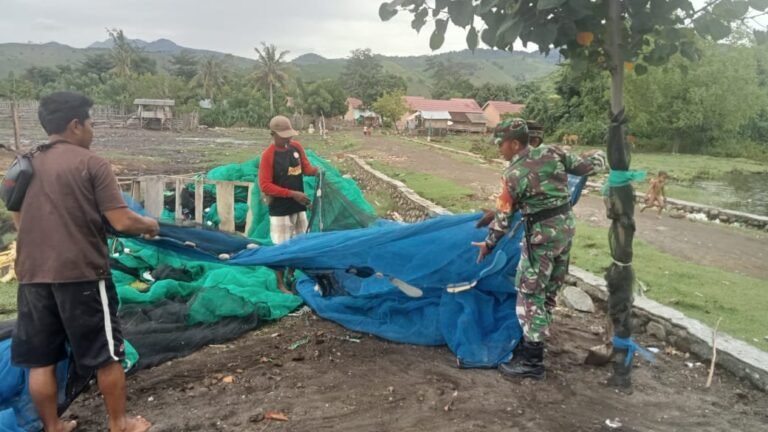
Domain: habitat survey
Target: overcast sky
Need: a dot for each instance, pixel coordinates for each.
(330, 28)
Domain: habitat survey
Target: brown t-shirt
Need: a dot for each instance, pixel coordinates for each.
(61, 232)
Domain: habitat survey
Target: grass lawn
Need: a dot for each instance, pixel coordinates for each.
(701, 292)
(7, 300)
(683, 168)
(444, 192)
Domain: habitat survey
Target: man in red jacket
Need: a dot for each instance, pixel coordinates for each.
(281, 179)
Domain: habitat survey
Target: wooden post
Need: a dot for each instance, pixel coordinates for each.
(136, 190)
(225, 205)
(199, 201)
(177, 212)
(15, 121)
(154, 196)
(249, 216)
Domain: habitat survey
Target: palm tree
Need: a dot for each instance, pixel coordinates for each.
(271, 70)
(210, 76)
(123, 54)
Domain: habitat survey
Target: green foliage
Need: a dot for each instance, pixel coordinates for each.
(272, 71)
(210, 78)
(450, 79)
(325, 98)
(97, 64)
(498, 92)
(391, 107)
(247, 109)
(184, 65)
(127, 59)
(653, 31)
(364, 77)
(578, 105)
(678, 104)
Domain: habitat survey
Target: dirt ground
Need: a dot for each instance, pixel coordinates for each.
(741, 251)
(344, 381)
(335, 383)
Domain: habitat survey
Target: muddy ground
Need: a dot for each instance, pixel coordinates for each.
(344, 381)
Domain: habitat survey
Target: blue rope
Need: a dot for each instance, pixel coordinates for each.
(631, 346)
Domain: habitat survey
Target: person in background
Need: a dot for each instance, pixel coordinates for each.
(65, 297)
(281, 179)
(656, 197)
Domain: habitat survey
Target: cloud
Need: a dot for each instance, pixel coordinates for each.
(330, 28)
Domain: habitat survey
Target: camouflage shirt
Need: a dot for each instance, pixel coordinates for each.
(536, 179)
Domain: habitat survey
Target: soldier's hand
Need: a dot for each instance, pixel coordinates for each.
(484, 250)
(486, 220)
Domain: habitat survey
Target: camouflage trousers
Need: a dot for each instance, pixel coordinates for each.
(541, 273)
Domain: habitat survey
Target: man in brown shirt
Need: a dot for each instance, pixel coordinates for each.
(66, 294)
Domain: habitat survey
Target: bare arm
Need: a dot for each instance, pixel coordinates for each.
(16, 219)
(128, 222)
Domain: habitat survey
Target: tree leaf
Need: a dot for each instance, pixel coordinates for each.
(549, 4)
(508, 31)
(462, 12)
(730, 10)
(441, 24)
(472, 39)
(759, 5)
(387, 11)
(440, 6)
(488, 36)
(485, 6)
(419, 19)
(641, 69)
(438, 36)
(544, 35)
(709, 26)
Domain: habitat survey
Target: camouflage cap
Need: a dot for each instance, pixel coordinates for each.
(535, 129)
(513, 128)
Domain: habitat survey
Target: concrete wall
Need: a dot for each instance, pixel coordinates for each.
(410, 206)
(684, 333)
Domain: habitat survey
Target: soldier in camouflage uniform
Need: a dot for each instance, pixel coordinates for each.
(535, 133)
(536, 183)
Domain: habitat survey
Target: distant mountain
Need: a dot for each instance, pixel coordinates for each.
(486, 65)
(309, 59)
(158, 46)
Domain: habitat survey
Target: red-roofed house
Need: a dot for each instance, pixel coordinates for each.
(353, 104)
(453, 114)
(496, 110)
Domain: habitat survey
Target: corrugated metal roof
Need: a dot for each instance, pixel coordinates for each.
(418, 103)
(478, 118)
(504, 107)
(354, 102)
(435, 115)
(155, 102)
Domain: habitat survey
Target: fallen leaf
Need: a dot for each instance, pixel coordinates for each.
(228, 379)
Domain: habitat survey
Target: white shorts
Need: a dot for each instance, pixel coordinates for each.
(284, 228)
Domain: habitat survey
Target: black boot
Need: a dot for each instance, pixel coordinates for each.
(622, 373)
(528, 362)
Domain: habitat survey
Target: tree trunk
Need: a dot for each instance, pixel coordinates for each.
(620, 201)
(15, 121)
(271, 101)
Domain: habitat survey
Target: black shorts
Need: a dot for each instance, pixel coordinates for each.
(81, 315)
